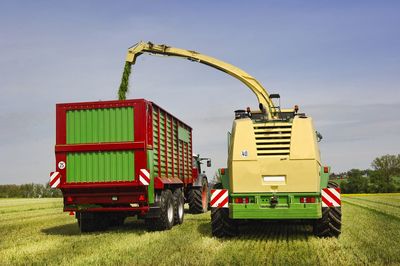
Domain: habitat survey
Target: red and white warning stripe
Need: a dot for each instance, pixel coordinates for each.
(55, 179)
(330, 197)
(219, 198)
(144, 177)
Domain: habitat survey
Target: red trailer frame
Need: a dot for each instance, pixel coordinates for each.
(115, 196)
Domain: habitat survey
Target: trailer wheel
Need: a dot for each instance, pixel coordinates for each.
(221, 224)
(331, 222)
(87, 223)
(179, 202)
(115, 219)
(198, 198)
(166, 219)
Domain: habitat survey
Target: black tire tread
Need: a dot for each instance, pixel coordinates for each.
(195, 199)
(161, 223)
(331, 222)
(178, 199)
(221, 224)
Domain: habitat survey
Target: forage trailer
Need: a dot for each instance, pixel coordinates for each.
(116, 159)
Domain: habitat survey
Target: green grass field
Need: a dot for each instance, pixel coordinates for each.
(36, 231)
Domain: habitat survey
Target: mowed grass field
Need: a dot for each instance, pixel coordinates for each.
(36, 231)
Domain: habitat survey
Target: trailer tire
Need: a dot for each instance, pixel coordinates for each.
(87, 223)
(331, 222)
(179, 202)
(221, 224)
(115, 220)
(198, 198)
(166, 219)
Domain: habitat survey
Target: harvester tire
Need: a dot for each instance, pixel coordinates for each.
(179, 203)
(198, 198)
(221, 224)
(331, 222)
(166, 219)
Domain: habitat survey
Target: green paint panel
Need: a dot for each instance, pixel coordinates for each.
(183, 134)
(100, 125)
(150, 166)
(324, 178)
(107, 166)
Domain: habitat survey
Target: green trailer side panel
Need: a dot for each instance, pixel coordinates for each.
(172, 146)
(150, 166)
(106, 166)
(183, 134)
(100, 125)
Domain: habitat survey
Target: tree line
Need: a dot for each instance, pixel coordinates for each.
(384, 177)
(29, 191)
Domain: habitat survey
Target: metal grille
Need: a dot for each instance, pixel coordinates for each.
(273, 139)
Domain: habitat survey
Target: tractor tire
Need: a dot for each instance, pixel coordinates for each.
(166, 219)
(221, 224)
(331, 222)
(217, 186)
(179, 202)
(198, 198)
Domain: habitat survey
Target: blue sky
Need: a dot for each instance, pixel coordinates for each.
(338, 60)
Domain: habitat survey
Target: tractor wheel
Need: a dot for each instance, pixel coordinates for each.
(179, 202)
(221, 224)
(198, 198)
(217, 186)
(331, 222)
(166, 219)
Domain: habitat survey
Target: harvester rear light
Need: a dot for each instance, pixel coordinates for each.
(244, 200)
(326, 169)
(307, 200)
(222, 170)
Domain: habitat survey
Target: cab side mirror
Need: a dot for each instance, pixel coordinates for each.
(208, 163)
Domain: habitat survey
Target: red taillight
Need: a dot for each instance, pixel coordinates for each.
(242, 200)
(222, 171)
(326, 169)
(307, 200)
(71, 213)
(69, 199)
(238, 200)
(141, 198)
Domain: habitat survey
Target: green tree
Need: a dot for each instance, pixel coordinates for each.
(387, 165)
(356, 182)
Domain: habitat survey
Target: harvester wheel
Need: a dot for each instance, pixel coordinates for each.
(179, 202)
(331, 222)
(166, 219)
(198, 198)
(221, 224)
